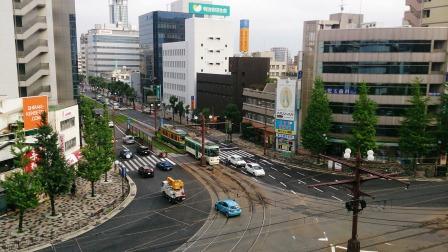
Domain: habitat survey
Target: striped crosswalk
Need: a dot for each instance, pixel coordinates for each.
(224, 154)
(139, 161)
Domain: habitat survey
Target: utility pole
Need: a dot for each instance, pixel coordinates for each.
(155, 117)
(203, 140)
(265, 139)
(353, 245)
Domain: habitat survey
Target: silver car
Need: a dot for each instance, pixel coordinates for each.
(129, 139)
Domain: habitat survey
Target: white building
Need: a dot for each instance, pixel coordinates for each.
(118, 12)
(207, 48)
(281, 54)
(277, 69)
(109, 46)
(182, 5)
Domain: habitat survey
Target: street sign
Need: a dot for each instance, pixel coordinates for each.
(123, 171)
(299, 75)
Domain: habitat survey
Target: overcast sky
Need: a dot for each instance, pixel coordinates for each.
(273, 23)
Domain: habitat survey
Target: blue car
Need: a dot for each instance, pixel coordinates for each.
(228, 207)
(165, 166)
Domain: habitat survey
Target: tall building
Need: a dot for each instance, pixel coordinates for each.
(118, 12)
(39, 50)
(109, 47)
(183, 5)
(427, 13)
(82, 55)
(388, 60)
(277, 69)
(156, 28)
(281, 54)
(207, 48)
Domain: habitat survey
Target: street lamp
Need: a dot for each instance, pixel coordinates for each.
(116, 163)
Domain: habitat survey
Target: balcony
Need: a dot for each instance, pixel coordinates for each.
(258, 94)
(37, 24)
(258, 109)
(33, 74)
(380, 99)
(25, 6)
(32, 51)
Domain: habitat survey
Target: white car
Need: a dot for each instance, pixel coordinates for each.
(111, 124)
(129, 139)
(237, 161)
(255, 169)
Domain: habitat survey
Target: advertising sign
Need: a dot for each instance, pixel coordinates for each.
(286, 99)
(285, 127)
(34, 158)
(208, 9)
(32, 109)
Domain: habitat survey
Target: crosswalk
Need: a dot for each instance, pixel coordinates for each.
(224, 153)
(139, 161)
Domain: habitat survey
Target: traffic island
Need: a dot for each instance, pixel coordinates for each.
(79, 214)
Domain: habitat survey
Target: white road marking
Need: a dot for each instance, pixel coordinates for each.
(287, 175)
(333, 249)
(272, 176)
(267, 162)
(317, 189)
(293, 192)
(256, 180)
(301, 182)
(389, 244)
(286, 167)
(244, 172)
(124, 147)
(293, 237)
(334, 197)
(315, 180)
(301, 173)
(348, 194)
(334, 188)
(283, 184)
(169, 160)
(325, 238)
(275, 169)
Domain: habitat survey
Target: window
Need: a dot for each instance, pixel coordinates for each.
(375, 67)
(426, 13)
(70, 144)
(202, 45)
(66, 124)
(368, 46)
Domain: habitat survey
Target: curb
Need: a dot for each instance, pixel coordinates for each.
(129, 198)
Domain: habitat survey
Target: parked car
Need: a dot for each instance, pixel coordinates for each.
(236, 160)
(255, 169)
(128, 139)
(165, 166)
(228, 207)
(143, 150)
(146, 172)
(147, 110)
(126, 154)
(111, 124)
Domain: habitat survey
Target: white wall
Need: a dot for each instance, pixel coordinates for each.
(56, 117)
(9, 82)
(175, 71)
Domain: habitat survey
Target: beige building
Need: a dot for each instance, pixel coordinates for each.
(38, 49)
(427, 13)
(388, 60)
(277, 69)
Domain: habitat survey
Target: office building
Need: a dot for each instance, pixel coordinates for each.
(82, 57)
(111, 46)
(281, 54)
(277, 69)
(39, 54)
(216, 91)
(118, 12)
(426, 13)
(388, 60)
(156, 28)
(207, 48)
(183, 5)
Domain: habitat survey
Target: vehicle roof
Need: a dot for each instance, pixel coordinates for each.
(165, 162)
(143, 147)
(253, 164)
(146, 168)
(234, 156)
(230, 202)
(125, 150)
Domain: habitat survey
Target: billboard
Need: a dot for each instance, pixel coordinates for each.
(33, 107)
(285, 127)
(286, 100)
(208, 9)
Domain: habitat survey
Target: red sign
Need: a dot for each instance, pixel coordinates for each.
(32, 165)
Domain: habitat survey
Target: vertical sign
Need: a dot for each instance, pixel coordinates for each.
(33, 107)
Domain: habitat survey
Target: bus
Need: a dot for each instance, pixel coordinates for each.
(175, 137)
(194, 147)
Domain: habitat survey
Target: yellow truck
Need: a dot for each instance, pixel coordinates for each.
(173, 190)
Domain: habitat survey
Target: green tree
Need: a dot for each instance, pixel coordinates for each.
(54, 174)
(22, 190)
(180, 110)
(173, 100)
(415, 138)
(232, 113)
(442, 123)
(318, 122)
(206, 113)
(364, 123)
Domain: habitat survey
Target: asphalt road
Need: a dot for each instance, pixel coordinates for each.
(150, 222)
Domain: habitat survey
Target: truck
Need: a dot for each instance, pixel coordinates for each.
(173, 190)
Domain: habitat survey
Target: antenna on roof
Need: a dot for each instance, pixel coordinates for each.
(342, 6)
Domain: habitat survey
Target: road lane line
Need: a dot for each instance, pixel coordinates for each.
(267, 162)
(293, 192)
(300, 173)
(334, 197)
(315, 180)
(287, 175)
(124, 147)
(348, 194)
(317, 189)
(301, 182)
(283, 184)
(334, 188)
(169, 160)
(244, 172)
(272, 176)
(274, 168)
(286, 167)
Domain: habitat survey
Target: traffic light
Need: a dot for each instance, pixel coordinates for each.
(363, 204)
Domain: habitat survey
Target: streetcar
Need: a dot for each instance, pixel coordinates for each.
(194, 147)
(176, 137)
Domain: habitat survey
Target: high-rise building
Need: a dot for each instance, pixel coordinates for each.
(82, 55)
(207, 48)
(118, 12)
(281, 54)
(39, 49)
(427, 13)
(109, 47)
(388, 60)
(156, 28)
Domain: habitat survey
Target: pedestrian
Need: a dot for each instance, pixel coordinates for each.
(73, 190)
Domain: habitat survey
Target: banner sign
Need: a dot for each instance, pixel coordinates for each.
(33, 107)
(285, 127)
(208, 9)
(286, 99)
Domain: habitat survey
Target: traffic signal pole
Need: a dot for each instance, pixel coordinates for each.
(353, 244)
(203, 140)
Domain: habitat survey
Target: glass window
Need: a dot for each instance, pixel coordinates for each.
(366, 46)
(66, 124)
(70, 143)
(376, 67)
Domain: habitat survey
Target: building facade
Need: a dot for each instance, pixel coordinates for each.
(207, 48)
(82, 57)
(389, 60)
(109, 47)
(156, 28)
(118, 12)
(427, 13)
(39, 49)
(277, 69)
(183, 5)
(281, 54)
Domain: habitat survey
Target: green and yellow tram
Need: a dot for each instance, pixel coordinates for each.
(176, 137)
(193, 145)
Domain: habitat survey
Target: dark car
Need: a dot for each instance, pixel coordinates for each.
(165, 166)
(146, 171)
(143, 150)
(126, 154)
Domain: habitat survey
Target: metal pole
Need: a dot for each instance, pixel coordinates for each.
(265, 124)
(353, 244)
(203, 140)
(155, 117)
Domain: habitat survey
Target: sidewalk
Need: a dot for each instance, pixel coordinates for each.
(78, 212)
